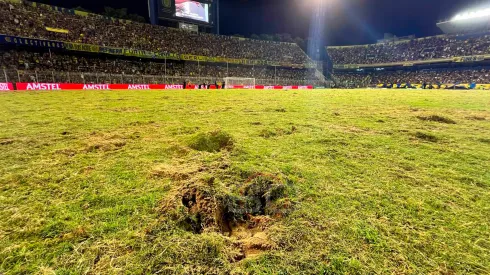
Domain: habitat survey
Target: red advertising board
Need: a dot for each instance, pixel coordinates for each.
(262, 87)
(70, 86)
(6, 87)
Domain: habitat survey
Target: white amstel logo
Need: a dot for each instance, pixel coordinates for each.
(138, 87)
(168, 87)
(43, 86)
(96, 86)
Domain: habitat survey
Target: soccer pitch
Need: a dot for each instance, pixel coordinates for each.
(245, 181)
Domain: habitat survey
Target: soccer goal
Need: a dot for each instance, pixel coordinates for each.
(239, 81)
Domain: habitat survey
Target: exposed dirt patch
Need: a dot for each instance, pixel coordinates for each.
(87, 170)
(6, 141)
(426, 137)
(67, 152)
(212, 141)
(104, 142)
(182, 171)
(255, 123)
(243, 214)
(251, 240)
(436, 118)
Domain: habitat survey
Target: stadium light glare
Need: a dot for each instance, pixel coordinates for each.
(471, 15)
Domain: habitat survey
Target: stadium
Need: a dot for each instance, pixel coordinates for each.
(168, 137)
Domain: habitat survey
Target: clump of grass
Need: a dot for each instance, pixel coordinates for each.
(436, 118)
(268, 133)
(484, 140)
(426, 137)
(214, 141)
(479, 118)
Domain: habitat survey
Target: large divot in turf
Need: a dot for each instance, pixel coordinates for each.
(243, 214)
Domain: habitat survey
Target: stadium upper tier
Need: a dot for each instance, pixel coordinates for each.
(430, 48)
(26, 19)
(442, 76)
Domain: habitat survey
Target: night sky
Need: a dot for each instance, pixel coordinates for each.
(348, 21)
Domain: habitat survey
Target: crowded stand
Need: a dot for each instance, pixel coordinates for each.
(24, 19)
(440, 76)
(437, 47)
(15, 60)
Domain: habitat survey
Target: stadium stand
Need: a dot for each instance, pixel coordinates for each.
(437, 47)
(434, 76)
(26, 19)
(36, 66)
(47, 43)
(449, 59)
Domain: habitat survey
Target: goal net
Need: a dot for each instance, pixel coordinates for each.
(239, 81)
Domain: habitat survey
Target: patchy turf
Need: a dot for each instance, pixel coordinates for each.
(245, 182)
(436, 118)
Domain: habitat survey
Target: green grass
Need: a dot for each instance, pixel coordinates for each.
(377, 181)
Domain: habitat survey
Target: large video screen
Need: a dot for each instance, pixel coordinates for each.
(192, 10)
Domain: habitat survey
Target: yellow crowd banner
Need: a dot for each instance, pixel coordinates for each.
(190, 57)
(139, 53)
(113, 51)
(82, 47)
(57, 30)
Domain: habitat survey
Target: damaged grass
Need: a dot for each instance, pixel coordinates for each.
(110, 182)
(241, 213)
(436, 118)
(211, 142)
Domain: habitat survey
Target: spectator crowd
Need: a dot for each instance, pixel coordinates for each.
(441, 76)
(25, 20)
(437, 47)
(22, 60)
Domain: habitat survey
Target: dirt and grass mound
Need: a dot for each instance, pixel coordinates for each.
(242, 213)
(214, 141)
(437, 118)
(426, 137)
(204, 206)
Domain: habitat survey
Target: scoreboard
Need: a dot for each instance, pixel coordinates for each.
(193, 11)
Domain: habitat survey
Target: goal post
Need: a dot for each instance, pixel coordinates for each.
(239, 81)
